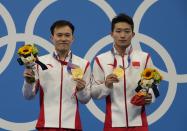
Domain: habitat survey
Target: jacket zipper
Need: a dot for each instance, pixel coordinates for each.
(60, 114)
(125, 93)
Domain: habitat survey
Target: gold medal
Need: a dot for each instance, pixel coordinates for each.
(77, 73)
(119, 72)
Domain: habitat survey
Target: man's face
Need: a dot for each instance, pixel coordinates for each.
(122, 34)
(62, 38)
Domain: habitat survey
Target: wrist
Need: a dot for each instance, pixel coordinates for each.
(30, 80)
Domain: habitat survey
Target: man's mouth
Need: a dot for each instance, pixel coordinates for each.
(123, 41)
(63, 43)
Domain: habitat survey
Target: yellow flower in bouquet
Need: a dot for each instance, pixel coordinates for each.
(150, 73)
(147, 74)
(27, 50)
(27, 54)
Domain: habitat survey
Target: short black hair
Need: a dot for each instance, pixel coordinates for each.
(61, 23)
(122, 17)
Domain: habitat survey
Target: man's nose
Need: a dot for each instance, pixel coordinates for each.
(63, 38)
(122, 34)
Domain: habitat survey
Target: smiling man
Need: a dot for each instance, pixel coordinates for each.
(115, 77)
(62, 85)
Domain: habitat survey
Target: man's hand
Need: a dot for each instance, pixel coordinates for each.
(29, 76)
(80, 84)
(148, 99)
(110, 79)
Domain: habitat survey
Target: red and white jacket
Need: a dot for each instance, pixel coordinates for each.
(58, 96)
(119, 110)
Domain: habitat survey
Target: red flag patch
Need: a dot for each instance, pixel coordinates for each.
(135, 63)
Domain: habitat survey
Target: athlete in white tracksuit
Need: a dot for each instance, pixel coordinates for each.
(121, 114)
(59, 91)
(58, 96)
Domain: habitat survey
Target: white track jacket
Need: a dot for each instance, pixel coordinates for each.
(58, 96)
(119, 110)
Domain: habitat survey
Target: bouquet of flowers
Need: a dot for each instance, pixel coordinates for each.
(150, 78)
(28, 56)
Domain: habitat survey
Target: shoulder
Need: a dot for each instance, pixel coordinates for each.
(46, 58)
(104, 55)
(104, 58)
(138, 53)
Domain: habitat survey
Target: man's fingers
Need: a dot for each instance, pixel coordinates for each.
(80, 84)
(112, 78)
(148, 98)
(28, 75)
(80, 81)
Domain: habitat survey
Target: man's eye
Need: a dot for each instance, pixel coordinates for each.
(127, 31)
(67, 35)
(59, 35)
(118, 31)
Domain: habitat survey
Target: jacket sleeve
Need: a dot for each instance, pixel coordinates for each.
(149, 64)
(98, 89)
(30, 90)
(84, 95)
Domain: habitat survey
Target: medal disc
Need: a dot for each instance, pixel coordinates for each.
(77, 73)
(119, 72)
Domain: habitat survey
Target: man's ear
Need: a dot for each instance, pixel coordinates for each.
(133, 34)
(73, 38)
(51, 37)
(111, 34)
